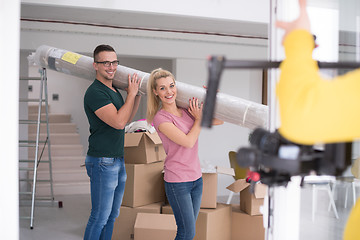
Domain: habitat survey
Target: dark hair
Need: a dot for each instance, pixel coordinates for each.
(102, 48)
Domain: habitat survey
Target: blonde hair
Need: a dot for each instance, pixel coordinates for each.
(153, 101)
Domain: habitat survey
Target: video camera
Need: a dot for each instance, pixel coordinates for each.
(270, 155)
(276, 159)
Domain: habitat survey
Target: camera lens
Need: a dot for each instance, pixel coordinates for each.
(265, 141)
(247, 157)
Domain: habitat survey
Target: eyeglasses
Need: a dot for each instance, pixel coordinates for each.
(108, 64)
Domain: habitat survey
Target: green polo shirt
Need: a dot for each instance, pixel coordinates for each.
(104, 140)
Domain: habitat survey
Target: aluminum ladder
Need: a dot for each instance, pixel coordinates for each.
(37, 143)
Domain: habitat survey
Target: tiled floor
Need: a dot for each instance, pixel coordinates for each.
(325, 225)
(68, 223)
(51, 222)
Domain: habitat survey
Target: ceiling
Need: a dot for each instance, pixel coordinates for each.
(131, 19)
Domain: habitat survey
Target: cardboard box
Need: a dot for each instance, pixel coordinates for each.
(209, 196)
(244, 226)
(210, 181)
(144, 184)
(249, 203)
(143, 147)
(152, 226)
(212, 224)
(124, 224)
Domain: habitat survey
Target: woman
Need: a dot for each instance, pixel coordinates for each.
(309, 112)
(179, 130)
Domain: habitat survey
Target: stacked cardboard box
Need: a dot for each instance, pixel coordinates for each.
(247, 219)
(144, 188)
(210, 181)
(211, 224)
(209, 197)
(151, 226)
(124, 224)
(214, 220)
(245, 226)
(144, 156)
(143, 147)
(144, 184)
(143, 214)
(249, 202)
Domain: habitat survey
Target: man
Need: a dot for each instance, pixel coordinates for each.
(312, 109)
(107, 114)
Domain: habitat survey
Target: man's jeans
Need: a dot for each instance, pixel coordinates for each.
(107, 180)
(185, 200)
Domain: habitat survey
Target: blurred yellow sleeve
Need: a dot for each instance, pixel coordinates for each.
(314, 109)
(352, 229)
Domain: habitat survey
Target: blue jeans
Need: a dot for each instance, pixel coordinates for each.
(185, 200)
(107, 180)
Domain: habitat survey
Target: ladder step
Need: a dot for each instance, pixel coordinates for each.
(29, 145)
(40, 202)
(32, 160)
(29, 78)
(26, 169)
(52, 118)
(38, 180)
(60, 151)
(31, 100)
(57, 138)
(25, 193)
(31, 141)
(54, 128)
(42, 198)
(26, 180)
(26, 121)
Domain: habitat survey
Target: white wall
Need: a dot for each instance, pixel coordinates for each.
(253, 11)
(187, 52)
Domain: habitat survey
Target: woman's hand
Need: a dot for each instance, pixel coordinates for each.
(302, 22)
(195, 108)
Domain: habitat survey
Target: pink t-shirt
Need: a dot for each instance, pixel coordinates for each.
(181, 164)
